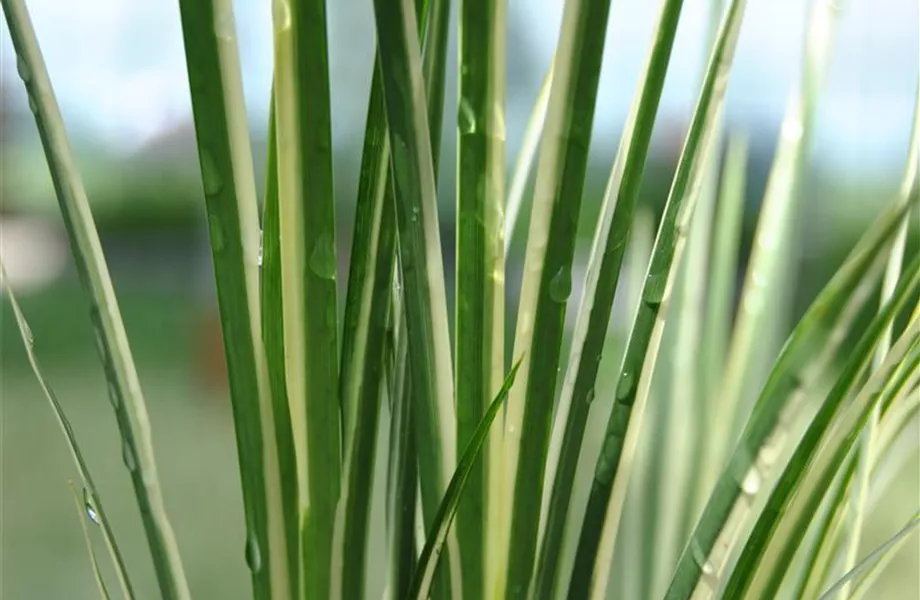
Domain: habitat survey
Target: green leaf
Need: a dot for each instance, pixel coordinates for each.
(429, 353)
(641, 349)
(769, 266)
(229, 185)
(802, 360)
(892, 274)
(547, 284)
(81, 514)
(434, 19)
(112, 341)
(720, 308)
(817, 559)
(309, 267)
(806, 478)
(437, 535)
(525, 159)
(89, 487)
(402, 472)
(367, 303)
(872, 566)
(273, 338)
(480, 296)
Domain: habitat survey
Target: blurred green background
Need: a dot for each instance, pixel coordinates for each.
(119, 73)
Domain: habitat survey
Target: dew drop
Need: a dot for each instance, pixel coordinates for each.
(217, 233)
(28, 333)
(261, 247)
(33, 106)
(253, 553)
(25, 73)
(210, 175)
(654, 289)
(466, 118)
(700, 558)
(281, 14)
(750, 485)
(498, 122)
(114, 396)
(560, 286)
(625, 387)
(589, 397)
(90, 508)
(127, 455)
(224, 27)
(414, 217)
(100, 343)
(322, 259)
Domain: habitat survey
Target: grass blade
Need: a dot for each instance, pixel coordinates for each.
(94, 501)
(420, 252)
(228, 179)
(402, 479)
(720, 300)
(362, 377)
(768, 533)
(892, 274)
(525, 158)
(819, 556)
(434, 22)
(597, 301)
(480, 300)
(889, 456)
(641, 349)
(273, 338)
(437, 535)
(873, 565)
(368, 298)
(678, 414)
(308, 274)
(547, 283)
(112, 341)
(767, 265)
(803, 358)
(81, 515)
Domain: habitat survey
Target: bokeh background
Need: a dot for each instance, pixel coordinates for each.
(118, 70)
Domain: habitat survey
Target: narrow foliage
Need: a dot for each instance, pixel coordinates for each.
(111, 340)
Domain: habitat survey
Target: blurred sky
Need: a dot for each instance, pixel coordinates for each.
(118, 68)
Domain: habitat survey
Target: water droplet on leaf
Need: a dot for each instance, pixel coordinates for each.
(560, 286)
(210, 175)
(127, 455)
(224, 27)
(466, 118)
(751, 483)
(625, 387)
(217, 233)
(253, 554)
(699, 556)
(281, 14)
(25, 73)
(90, 508)
(114, 396)
(322, 259)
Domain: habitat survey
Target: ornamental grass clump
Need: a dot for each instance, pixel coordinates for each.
(742, 483)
